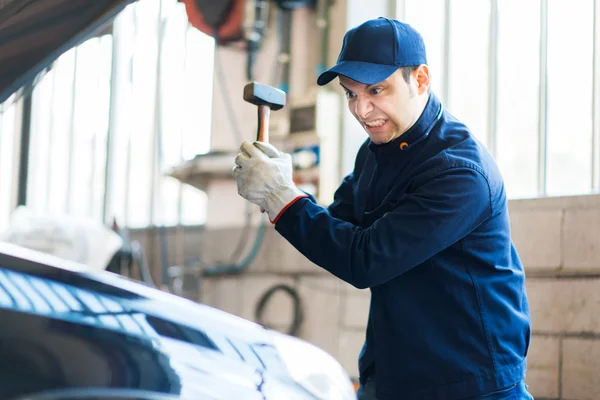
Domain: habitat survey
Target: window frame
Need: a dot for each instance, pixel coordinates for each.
(492, 96)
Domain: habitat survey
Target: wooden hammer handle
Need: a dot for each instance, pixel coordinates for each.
(262, 134)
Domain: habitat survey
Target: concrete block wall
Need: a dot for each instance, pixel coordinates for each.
(558, 240)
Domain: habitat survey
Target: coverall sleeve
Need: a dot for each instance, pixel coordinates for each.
(440, 212)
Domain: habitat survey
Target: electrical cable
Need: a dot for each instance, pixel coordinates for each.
(244, 235)
(233, 120)
(284, 56)
(138, 257)
(294, 328)
(224, 269)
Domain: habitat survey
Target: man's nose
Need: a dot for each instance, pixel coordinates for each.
(363, 108)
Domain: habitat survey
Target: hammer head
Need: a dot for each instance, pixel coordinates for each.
(263, 95)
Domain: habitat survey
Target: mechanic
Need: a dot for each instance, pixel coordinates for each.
(422, 221)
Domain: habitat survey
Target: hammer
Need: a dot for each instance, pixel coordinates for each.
(267, 98)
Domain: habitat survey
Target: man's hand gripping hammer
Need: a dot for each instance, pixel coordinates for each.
(267, 98)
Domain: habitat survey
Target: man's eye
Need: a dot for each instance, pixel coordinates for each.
(349, 95)
(376, 90)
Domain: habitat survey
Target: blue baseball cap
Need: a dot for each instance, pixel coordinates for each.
(374, 50)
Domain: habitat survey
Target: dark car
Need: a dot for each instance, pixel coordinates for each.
(70, 332)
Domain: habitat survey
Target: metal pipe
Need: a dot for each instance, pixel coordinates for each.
(446, 58)
(397, 9)
(110, 134)
(24, 147)
(543, 99)
(179, 231)
(322, 24)
(596, 100)
(50, 138)
(492, 78)
(284, 56)
(156, 159)
(71, 134)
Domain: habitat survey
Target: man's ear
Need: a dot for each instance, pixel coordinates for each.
(422, 77)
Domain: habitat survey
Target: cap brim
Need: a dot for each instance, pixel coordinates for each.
(359, 71)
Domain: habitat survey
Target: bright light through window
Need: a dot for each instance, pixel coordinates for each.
(469, 60)
(8, 128)
(518, 95)
(564, 123)
(427, 17)
(154, 122)
(570, 52)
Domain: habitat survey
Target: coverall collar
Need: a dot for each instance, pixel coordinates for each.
(431, 113)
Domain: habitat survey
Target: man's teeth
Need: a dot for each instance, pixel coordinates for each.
(375, 123)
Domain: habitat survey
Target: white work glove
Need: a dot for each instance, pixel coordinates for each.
(264, 177)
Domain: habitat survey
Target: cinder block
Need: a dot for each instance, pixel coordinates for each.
(543, 366)
(193, 240)
(225, 207)
(279, 309)
(179, 239)
(350, 344)
(321, 300)
(284, 258)
(206, 291)
(537, 237)
(581, 363)
(582, 246)
(356, 309)
(348, 288)
(219, 244)
(222, 293)
(264, 258)
(564, 305)
(591, 201)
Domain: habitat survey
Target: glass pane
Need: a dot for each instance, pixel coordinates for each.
(141, 171)
(8, 131)
(172, 105)
(99, 144)
(122, 122)
(85, 114)
(198, 114)
(518, 95)
(90, 125)
(60, 131)
(41, 136)
(427, 17)
(200, 61)
(469, 64)
(194, 203)
(570, 55)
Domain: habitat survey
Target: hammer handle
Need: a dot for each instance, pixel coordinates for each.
(262, 134)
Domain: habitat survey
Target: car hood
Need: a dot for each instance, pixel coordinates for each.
(167, 342)
(34, 33)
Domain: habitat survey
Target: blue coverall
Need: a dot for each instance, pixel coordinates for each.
(423, 222)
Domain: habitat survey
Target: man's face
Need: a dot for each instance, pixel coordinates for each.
(388, 109)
